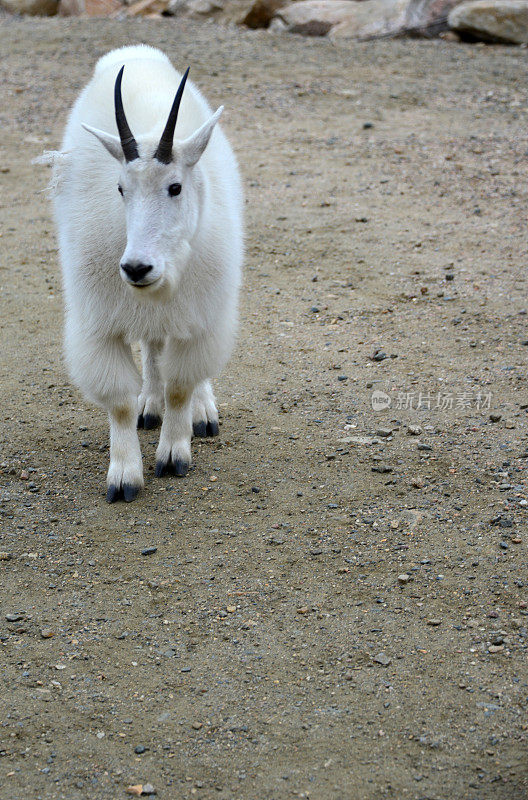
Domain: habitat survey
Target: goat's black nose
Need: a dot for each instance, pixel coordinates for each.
(136, 272)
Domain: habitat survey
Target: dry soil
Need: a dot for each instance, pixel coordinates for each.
(336, 608)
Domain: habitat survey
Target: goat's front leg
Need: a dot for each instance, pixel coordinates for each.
(151, 397)
(173, 455)
(104, 370)
(125, 474)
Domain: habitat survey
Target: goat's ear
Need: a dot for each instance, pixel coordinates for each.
(112, 143)
(193, 147)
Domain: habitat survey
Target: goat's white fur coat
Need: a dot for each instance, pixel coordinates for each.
(186, 319)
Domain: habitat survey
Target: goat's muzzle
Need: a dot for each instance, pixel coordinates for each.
(137, 273)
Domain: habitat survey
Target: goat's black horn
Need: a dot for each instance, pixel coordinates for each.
(164, 150)
(128, 143)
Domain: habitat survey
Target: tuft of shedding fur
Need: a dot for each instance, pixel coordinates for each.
(184, 311)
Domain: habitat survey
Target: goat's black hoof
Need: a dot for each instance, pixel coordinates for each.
(179, 468)
(113, 493)
(162, 468)
(200, 429)
(126, 492)
(130, 492)
(148, 421)
(212, 429)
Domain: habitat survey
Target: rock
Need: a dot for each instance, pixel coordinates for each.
(203, 7)
(34, 8)
(261, 13)
(434, 622)
(71, 8)
(146, 8)
(414, 430)
(47, 633)
(384, 432)
(15, 617)
(191, 7)
(372, 19)
(377, 18)
(382, 658)
(429, 17)
(495, 417)
(496, 648)
(404, 578)
(149, 551)
(502, 21)
(314, 17)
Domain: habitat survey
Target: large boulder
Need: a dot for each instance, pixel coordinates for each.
(502, 21)
(34, 8)
(429, 17)
(71, 8)
(193, 8)
(366, 20)
(375, 18)
(317, 17)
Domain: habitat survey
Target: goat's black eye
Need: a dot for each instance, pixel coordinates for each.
(174, 189)
(120, 190)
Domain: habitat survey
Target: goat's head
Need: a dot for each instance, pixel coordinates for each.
(161, 192)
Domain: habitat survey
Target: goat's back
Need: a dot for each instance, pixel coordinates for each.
(148, 88)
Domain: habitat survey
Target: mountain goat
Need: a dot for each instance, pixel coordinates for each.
(150, 237)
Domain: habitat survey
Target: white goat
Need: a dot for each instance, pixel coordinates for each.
(150, 237)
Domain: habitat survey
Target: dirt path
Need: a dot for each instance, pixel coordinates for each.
(269, 648)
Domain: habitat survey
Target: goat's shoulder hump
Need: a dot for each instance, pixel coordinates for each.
(129, 53)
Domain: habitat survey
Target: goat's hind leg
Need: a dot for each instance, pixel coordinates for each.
(204, 412)
(173, 455)
(150, 400)
(188, 398)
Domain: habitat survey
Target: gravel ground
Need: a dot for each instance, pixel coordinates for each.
(332, 605)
